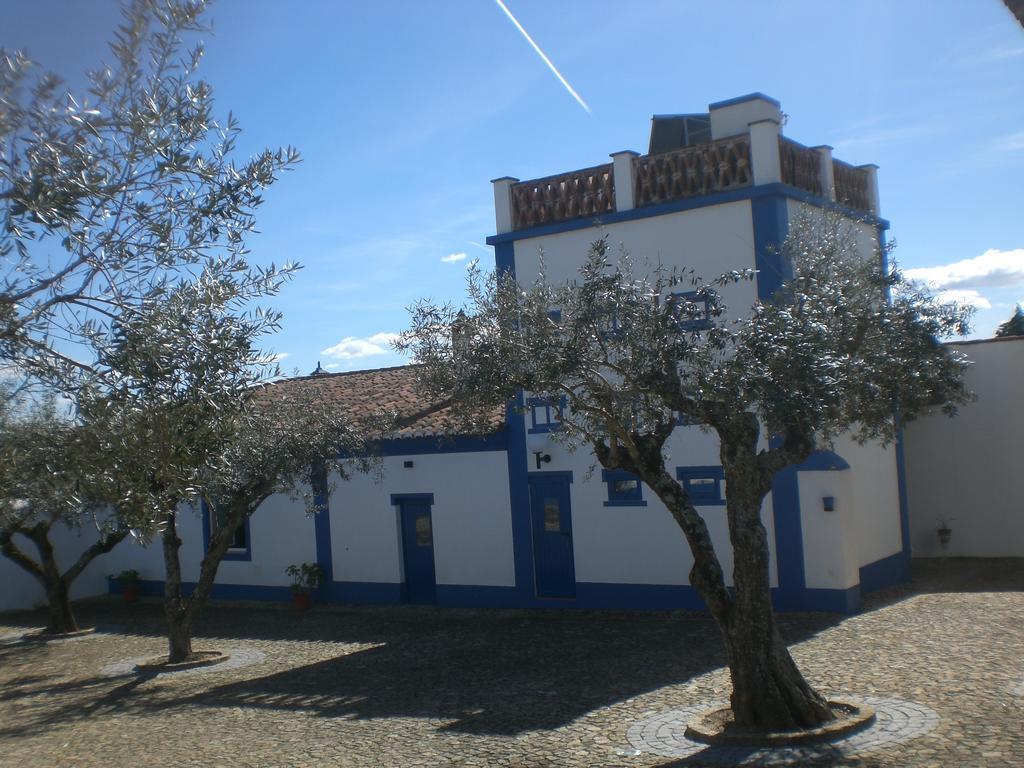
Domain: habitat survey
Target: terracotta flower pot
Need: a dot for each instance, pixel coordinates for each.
(301, 600)
(130, 593)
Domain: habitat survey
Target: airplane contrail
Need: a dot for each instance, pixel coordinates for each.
(562, 80)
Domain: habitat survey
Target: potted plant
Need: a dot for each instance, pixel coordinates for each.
(129, 581)
(306, 578)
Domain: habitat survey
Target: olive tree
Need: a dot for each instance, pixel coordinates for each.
(48, 479)
(104, 194)
(842, 347)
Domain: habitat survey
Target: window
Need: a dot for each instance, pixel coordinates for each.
(624, 489)
(692, 309)
(704, 485)
(682, 420)
(213, 521)
(545, 416)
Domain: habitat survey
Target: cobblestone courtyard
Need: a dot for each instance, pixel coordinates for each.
(411, 686)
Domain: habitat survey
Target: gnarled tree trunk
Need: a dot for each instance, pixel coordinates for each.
(768, 689)
(181, 611)
(56, 585)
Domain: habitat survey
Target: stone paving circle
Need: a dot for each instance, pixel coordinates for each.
(896, 721)
(237, 658)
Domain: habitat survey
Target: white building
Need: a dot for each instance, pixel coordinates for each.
(483, 521)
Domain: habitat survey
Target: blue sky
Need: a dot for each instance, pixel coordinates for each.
(403, 112)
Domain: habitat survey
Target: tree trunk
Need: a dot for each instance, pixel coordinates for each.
(768, 690)
(47, 572)
(176, 607)
(62, 619)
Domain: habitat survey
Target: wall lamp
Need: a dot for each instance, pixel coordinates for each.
(537, 444)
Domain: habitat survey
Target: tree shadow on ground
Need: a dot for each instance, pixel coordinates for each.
(499, 672)
(477, 672)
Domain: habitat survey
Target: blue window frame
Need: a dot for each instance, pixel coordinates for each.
(545, 416)
(703, 485)
(241, 545)
(693, 323)
(682, 420)
(624, 488)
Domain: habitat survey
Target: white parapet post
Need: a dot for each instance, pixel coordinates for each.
(871, 171)
(764, 152)
(827, 172)
(622, 168)
(503, 204)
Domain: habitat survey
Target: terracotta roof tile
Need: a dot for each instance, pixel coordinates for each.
(393, 390)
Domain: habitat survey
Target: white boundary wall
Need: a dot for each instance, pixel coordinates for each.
(19, 590)
(967, 470)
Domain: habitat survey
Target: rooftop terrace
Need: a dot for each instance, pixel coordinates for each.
(746, 148)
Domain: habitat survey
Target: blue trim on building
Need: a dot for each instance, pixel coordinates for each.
(711, 496)
(894, 569)
(231, 554)
(398, 498)
(553, 413)
(322, 530)
(641, 597)
(504, 257)
(414, 446)
(631, 498)
(789, 536)
(467, 596)
(771, 225)
(365, 592)
(519, 499)
(741, 99)
(815, 600)
(155, 588)
(589, 595)
(901, 480)
(823, 461)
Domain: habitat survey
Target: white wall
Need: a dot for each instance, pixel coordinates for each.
(711, 240)
(280, 531)
(19, 590)
(471, 519)
(643, 545)
(968, 468)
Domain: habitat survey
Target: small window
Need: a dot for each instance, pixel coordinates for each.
(214, 519)
(682, 420)
(552, 516)
(692, 310)
(545, 416)
(424, 532)
(624, 489)
(704, 485)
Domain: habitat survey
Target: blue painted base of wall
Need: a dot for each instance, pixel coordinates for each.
(589, 595)
(886, 572)
(155, 588)
(816, 600)
(373, 593)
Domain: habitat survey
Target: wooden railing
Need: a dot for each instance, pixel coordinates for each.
(801, 166)
(589, 192)
(851, 185)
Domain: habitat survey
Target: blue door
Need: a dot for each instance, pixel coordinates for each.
(552, 536)
(417, 549)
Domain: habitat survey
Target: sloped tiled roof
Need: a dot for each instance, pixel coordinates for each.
(393, 390)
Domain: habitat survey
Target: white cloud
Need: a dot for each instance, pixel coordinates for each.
(1010, 143)
(278, 357)
(453, 257)
(973, 298)
(993, 269)
(352, 347)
